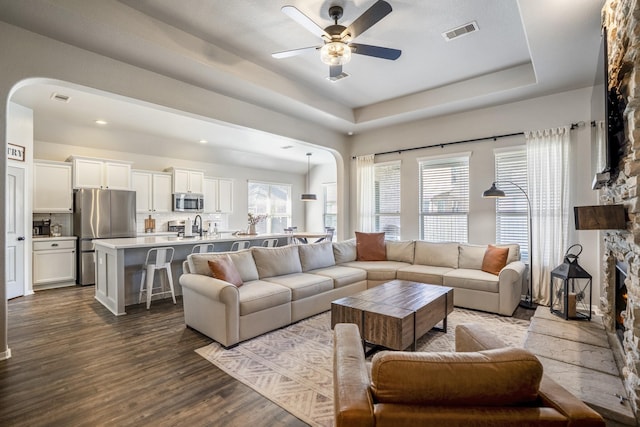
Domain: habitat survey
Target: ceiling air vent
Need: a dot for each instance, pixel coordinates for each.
(59, 97)
(460, 31)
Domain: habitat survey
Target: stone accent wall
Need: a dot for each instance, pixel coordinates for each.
(621, 17)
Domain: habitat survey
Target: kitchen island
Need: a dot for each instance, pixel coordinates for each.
(119, 262)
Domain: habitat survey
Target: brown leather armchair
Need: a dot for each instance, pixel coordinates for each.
(483, 383)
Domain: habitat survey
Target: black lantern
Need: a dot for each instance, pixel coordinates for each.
(571, 288)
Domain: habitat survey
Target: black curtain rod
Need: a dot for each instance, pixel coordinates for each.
(464, 141)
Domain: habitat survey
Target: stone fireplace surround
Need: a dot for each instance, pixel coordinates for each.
(621, 17)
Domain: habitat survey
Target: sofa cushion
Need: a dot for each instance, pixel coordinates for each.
(494, 259)
(423, 274)
(277, 261)
(259, 295)
(471, 256)
(344, 251)
(243, 260)
(514, 251)
(477, 280)
(370, 247)
(341, 275)
(223, 268)
(500, 377)
(303, 285)
(378, 270)
(436, 254)
(400, 251)
(316, 255)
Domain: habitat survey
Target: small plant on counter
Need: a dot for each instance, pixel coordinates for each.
(255, 219)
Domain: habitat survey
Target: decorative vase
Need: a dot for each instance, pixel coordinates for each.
(252, 229)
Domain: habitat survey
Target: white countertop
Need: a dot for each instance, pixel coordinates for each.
(51, 238)
(157, 233)
(150, 241)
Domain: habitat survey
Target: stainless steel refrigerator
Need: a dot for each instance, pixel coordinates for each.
(100, 214)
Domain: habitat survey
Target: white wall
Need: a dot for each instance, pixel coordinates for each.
(320, 175)
(540, 113)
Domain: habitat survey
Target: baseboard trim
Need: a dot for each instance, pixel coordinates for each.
(5, 354)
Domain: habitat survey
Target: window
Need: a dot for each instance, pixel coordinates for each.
(444, 198)
(271, 199)
(330, 215)
(387, 199)
(512, 224)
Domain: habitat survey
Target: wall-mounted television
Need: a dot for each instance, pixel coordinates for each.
(607, 127)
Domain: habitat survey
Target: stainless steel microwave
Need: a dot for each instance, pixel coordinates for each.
(188, 202)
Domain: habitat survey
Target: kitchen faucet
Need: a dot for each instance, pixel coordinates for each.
(195, 221)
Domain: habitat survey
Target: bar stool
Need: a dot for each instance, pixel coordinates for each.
(157, 259)
(240, 244)
(270, 243)
(202, 248)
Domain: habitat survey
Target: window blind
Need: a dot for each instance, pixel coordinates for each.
(444, 198)
(512, 221)
(387, 199)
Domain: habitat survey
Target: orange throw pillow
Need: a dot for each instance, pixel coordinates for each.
(494, 259)
(370, 247)
(223, 268)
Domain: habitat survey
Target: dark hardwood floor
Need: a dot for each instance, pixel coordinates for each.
(75, 364)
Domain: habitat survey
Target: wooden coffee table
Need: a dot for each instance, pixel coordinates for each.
(395, 314)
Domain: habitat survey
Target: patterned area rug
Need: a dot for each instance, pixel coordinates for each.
(293, 366)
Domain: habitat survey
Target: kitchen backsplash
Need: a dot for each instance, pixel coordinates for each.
(162, 220)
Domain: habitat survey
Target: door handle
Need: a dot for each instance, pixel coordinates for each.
(20, 238)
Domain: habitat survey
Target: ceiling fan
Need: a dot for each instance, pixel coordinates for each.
(337, 48)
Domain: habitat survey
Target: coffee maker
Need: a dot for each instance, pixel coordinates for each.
(42, 227)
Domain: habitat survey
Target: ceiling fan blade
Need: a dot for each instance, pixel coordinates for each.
(293, 52)
(376, 51)
(305, 21)
(379, 10)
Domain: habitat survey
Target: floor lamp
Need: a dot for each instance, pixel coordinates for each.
(495, 193)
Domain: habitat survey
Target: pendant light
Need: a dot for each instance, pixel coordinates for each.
(307, 197)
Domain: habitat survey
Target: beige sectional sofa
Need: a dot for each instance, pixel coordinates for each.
(285, 284)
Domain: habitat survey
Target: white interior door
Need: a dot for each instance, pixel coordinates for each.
(15, 232)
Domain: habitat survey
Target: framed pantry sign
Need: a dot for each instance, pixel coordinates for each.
(15, 152)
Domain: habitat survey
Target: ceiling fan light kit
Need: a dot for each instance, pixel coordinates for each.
(335, 53)
(337, 48)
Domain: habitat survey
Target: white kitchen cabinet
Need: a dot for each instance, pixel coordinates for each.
(187, 180)
(218, 195)
(52, 190)
(153, 191)
(100, 173)
(162, 190)
(54, 261)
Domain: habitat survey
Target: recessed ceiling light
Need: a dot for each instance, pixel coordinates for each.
(350, 133)
(203, 141)
(101, 122)
(60, 97)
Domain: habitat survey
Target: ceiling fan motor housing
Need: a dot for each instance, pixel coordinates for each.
(335, 31)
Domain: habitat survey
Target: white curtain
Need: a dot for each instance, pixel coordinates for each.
(365, 186)
(548, 158)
